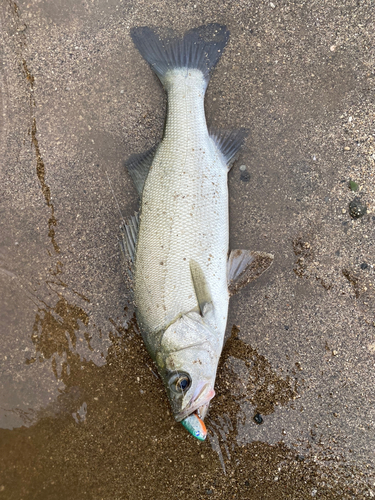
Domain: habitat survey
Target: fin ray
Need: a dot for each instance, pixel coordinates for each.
(245, 266)
(128, 242)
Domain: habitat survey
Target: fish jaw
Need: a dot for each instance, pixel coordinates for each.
(203, 410)
(199, 403)
(193, 415)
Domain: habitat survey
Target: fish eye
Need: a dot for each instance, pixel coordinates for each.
(183, 383)
(180, 382)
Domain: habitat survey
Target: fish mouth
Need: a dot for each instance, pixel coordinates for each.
(197, 404)
(202, 411)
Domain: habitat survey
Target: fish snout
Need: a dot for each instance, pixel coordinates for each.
(194, 414)
(198, 402)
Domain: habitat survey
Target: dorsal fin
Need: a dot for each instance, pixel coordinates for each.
(128, 242)
(138, 166)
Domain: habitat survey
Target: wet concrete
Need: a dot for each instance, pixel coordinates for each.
(82, 413)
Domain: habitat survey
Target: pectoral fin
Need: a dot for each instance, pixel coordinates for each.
(245, 266)
(202, 291)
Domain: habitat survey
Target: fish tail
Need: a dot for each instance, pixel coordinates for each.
(200, 48)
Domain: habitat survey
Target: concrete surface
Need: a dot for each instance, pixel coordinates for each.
(81, 413)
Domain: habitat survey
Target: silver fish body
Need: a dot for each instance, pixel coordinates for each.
(184, 219)
(184, 214)
(180, 253)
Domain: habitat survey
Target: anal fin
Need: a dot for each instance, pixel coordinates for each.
(245, 266)
(229, 142)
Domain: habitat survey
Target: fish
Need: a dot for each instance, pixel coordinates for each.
(177, 246)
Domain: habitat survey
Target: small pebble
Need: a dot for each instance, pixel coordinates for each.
(334, 353)
(245, 176)
(346, 148)
(243, 168)
(364, 265)
(357, 209)
(353, 186)
(258, 418)
(272, 5)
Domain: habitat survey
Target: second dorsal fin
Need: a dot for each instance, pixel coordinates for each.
(139, 165)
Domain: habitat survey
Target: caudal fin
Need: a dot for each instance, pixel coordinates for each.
(199, 48)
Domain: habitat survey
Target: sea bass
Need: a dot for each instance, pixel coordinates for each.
(177, 248)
